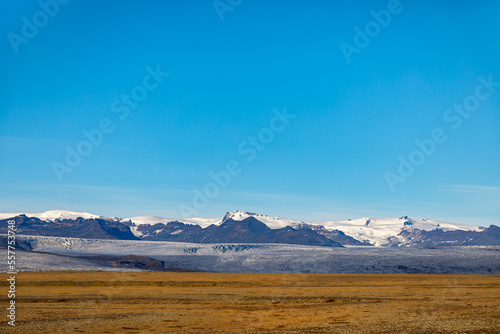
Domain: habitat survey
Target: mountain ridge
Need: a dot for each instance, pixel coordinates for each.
(253, 227)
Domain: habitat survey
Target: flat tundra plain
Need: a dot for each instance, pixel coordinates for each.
(194, 302)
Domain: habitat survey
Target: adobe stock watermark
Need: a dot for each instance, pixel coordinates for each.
(427, 147)
(30, 28)
(248, 150)
(373, 28)
(12, 271)
(222, 6)
(121, 106)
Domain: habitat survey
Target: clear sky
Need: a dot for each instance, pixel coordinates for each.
(359, 100)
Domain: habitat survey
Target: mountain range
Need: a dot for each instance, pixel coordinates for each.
(246, 227)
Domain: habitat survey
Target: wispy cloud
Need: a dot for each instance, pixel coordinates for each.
(478, 221)
(470, 188)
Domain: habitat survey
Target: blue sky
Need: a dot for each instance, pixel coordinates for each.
(353, 120)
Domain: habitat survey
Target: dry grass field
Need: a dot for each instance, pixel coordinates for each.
(164, 302)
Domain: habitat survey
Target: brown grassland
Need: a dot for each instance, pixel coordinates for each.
(166, 302)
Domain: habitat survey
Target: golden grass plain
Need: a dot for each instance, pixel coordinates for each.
(166, 302)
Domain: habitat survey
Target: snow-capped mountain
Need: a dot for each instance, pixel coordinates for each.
(95, 228)
(52, 215)
(271, 222)
(151, 220)
(235, 226)
(376, 231)
(438, 237)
